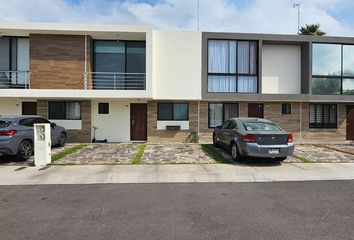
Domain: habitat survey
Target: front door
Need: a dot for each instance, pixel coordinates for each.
(138, 121)
(350, 122)
(29, 108)
(255, 110)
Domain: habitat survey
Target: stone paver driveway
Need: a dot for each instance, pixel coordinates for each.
(102, 154)
(317, 153)
(174, 153)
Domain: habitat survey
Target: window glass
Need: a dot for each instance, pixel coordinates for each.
(326, 86)
(286, 108)
(135, 57)
(221, 83)
(4, 54)
(4, 124)
(180, 111)
(64, 110)
(260, 126)
(232, 66)
(230, 110)
(41, 120)
(28, 122)
(215, 114)
(103, 108)
(173, 111)
(232, 125)
(225, 125)
(348, 60)
(348, 86)
(323, 116)
(326, 59)
(243, 57)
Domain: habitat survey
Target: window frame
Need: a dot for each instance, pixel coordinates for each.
(223, 111)
(321, 125)
(340, 77)
(105, 107)
(11, 67)
(282, 109)
(80, 118)
(236, 74)
(173, 106)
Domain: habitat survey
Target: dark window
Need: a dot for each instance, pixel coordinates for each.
(286, 108)
(64, 110)
(219, 112)
(332, 69)
(225, 125)
(41, 120)
(103, 108)
(28, 122)
(4, 124)
(232, 125)
(119, 64)
(173, 112)
(323, 116)
(232, 66)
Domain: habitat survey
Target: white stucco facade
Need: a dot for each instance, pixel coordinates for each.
(115, 126)
(10, 106)
(281, 69)
(177, 65)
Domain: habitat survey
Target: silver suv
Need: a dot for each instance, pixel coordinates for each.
(16, 135)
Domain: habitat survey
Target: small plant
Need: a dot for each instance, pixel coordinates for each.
(192, 137)
(210, 150)
(140, 153)
(67, 152)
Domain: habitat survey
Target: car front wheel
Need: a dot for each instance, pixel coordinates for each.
(25, 150)
(62, 140)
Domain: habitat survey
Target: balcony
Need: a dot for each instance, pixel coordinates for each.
(14, 79)
(114, 81)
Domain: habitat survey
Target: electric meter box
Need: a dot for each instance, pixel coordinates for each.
(42, 144)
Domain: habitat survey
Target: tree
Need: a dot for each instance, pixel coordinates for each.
(312, 29)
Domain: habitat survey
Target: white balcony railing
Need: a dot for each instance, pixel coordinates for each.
(114, 81)
(14, 79)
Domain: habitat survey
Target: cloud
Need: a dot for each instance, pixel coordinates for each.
(260, 16)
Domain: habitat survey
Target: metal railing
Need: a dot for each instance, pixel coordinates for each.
(14, 79)
(114, 81)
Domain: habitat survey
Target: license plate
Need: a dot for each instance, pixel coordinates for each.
(273, 151)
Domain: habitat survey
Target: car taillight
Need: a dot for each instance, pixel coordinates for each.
(8, 133)
(250, 138)
(290, 138)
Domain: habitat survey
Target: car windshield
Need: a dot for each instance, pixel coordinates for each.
(4, 124)
(261, 126)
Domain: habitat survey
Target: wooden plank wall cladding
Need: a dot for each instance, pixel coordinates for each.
(58, 61)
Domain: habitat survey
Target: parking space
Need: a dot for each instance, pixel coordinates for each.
(178, 153)
(175, 153)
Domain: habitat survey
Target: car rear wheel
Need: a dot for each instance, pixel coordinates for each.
(235, 154)
(25, 150)
(215, 141)
(62, 140)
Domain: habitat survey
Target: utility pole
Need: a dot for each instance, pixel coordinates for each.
(198, 15)
(297, 5)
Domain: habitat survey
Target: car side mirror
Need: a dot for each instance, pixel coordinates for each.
(218, 127)
(53, 124)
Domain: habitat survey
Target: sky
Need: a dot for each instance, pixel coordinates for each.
(252, 16)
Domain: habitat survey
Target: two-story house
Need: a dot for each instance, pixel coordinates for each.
(136, 84)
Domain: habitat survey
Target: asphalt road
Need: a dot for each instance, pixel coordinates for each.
(283, 210)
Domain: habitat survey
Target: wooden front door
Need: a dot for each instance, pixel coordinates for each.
(255, 110)
(29, 108)
(350, 122)
(138, 122)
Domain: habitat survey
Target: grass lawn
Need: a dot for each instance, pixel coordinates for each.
(67, 152)
(213, 153)
(140, 153)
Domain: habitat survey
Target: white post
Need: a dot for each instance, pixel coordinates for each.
(42, 144)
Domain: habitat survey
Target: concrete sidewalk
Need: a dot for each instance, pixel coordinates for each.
(179, 173)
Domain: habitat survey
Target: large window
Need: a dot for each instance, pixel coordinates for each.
(14, 60)
(64, 110)
(232, 66)
(332, 69)
(323, 116)
(172, 112)
(220, 112)
(119, 64)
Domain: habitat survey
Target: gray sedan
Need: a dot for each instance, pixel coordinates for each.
(253, 137)
(16, 135)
